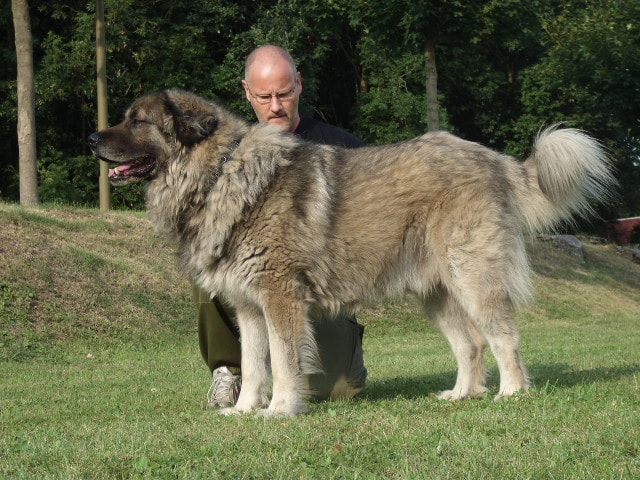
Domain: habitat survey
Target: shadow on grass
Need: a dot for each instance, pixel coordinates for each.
(409, 387)
(563, 375)
(557, 375)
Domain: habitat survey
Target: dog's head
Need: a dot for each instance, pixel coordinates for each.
(154, 129)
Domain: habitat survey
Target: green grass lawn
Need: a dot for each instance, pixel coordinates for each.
(101, 377)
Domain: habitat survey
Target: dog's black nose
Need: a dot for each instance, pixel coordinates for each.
(94, 138)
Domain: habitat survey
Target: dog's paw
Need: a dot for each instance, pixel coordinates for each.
(266, 413)
(281, 406)
(455, 394)
(451, 395)
(228, 411)
(512, 393)
(280, 412)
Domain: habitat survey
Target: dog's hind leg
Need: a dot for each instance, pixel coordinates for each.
(488, 276)
(501, 333)
(491, 313)
(466, 341)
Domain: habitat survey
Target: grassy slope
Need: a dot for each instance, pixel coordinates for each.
(71, 275)
(79, 282)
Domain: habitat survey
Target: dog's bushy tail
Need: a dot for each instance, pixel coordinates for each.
(567, 172)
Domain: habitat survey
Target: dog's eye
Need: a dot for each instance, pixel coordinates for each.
(136, 122)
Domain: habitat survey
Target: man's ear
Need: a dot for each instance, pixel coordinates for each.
(246, 90)
(299, 82)
(193, 127)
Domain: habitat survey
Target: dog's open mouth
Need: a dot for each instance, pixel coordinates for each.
(138, 169)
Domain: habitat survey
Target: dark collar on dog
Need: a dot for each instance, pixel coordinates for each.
(232, 147)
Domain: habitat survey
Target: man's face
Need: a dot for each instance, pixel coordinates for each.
(276, 82)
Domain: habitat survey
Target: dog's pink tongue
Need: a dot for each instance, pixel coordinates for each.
(113, 172)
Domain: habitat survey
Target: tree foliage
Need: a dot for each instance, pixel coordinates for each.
(505, 69)
(589, 77)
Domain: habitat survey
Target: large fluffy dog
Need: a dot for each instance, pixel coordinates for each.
(281, 229)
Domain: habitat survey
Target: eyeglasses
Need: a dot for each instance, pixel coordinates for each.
(265, 98)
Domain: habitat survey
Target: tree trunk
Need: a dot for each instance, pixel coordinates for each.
(28, 160)
(433, 119)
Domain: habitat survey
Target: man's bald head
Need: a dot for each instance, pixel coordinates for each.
(273, 85)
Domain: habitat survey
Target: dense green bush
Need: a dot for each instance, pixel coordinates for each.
(506, 68)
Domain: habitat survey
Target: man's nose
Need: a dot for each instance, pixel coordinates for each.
(275, 104)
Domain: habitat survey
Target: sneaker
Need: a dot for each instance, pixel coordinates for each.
(224, 389)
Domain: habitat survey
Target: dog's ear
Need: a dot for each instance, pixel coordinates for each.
(193, 127)
(192, 121)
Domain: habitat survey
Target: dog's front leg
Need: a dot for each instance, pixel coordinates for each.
(255, 362)
(293, 355)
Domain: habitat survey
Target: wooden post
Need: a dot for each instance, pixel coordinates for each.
(101, 67)
(433, 117)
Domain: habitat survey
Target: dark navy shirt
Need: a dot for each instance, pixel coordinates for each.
(321, 132)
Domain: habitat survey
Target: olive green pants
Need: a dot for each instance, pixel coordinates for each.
(339, 343)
